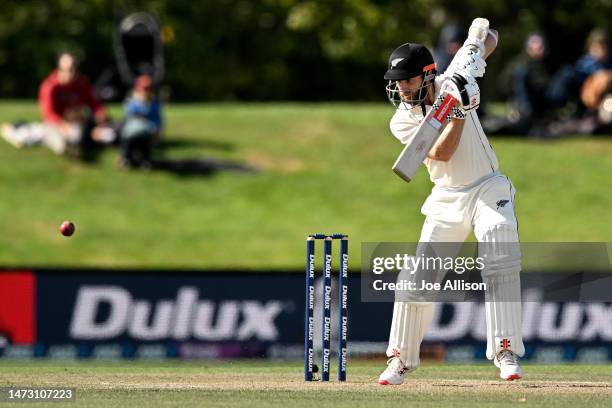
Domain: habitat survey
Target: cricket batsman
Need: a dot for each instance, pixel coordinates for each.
(469, 194)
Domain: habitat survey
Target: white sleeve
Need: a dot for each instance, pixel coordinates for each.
(403, 125)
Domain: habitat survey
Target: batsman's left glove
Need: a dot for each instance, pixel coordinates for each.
(465, 89)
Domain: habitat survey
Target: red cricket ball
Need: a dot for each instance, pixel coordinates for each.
(67, 228)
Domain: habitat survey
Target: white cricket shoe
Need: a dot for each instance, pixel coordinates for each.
(509, 368)
(10, 135)
(394, 373)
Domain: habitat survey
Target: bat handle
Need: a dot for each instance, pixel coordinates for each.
(477, 35)
(479, 29)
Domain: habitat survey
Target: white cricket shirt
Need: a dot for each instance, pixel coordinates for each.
(473, 159)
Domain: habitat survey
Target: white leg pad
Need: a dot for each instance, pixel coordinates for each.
(410, 322)
(502, 258)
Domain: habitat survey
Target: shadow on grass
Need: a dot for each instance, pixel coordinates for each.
(89, 154)
(199, 166)
(166, 144)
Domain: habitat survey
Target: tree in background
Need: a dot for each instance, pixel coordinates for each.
(314, 50)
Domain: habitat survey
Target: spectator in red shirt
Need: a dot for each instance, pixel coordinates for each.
(65, 96)
(72, 114)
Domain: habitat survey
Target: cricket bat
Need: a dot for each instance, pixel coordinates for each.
(426, 135)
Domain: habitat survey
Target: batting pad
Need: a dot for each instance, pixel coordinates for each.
(410, 322)
(502, 259)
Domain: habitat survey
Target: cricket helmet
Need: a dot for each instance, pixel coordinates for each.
(408, 61)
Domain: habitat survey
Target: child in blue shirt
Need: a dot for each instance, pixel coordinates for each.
(143, 124)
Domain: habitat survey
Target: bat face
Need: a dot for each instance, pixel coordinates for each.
(426, 135)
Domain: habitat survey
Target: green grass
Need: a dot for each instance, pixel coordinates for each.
(321, 168)
(265, 384)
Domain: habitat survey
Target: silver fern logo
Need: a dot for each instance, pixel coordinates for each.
(396, 61)
(502, 203)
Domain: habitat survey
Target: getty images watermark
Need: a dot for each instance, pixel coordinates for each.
(411, 264)
(462, 272)
(424, 272)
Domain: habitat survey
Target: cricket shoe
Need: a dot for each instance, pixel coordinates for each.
(394, 373)
(9, 134)
(509, 368)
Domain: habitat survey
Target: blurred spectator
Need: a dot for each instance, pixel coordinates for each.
(530, 83)
(451, 39)
(142, 125)
(596, 69)
(529, 80)
(589, 84)
(72, 115)
(597, 57)
(566, 84)
(539, 96)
